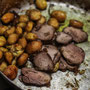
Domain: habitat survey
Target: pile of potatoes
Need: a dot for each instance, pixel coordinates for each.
(17, 42)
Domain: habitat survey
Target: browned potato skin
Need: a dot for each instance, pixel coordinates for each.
(23, 18)
(41, 4)
(2, 41)
(23, 42)
(22, 59)
(12, 38)
(33, 47)
(3, 49)
(8, 57)
(19, 30)
(18, 47)
(42, 20)
(29, 26)
(1, 54)
(22, 25)
(3, 29)
(35, 15)
(31, 36)
(3, 66)
(11, 72)
(7, 18)
(53, 22)
(59, 15)
(10, 31)
(76, 23)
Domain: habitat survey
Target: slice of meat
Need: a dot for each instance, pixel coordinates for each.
(78, 35)
(73, 54)
(32, 77)
(53, 52)
(45, 32)
(43, 61)
(65, 66)
(5, 5)
(63, 38)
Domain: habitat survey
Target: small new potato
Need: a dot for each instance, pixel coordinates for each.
(19, 30)
(23, 42)
(22, 25)
(3, 49)
(3, 29)
(33, 47)
(7, 18)
(8, 57)
(29, 26)
(76, 23)
(22, 59)
(3, 66)
(41, 4)
(2, 41)
(1, 54)
(42, 20)
(53, 22)
(11, 72)
(12, 38)
(23, 18)
(31, 36)
(10, 31)
(35, 15)
(59, 15)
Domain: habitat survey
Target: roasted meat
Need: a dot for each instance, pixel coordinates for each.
(73, 54)
(45, 32)
(32, 77)
(63, 38)
(78, 35)
(43, 61)
(53, 52)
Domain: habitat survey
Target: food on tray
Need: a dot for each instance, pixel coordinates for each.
(32, 77)
(33, 38)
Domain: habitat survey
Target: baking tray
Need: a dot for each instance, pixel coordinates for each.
(76, 9)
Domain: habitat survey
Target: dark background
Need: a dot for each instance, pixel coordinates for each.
(6, 86)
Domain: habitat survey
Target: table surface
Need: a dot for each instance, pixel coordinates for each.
(4, 85)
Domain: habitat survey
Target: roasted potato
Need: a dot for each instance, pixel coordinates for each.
(1, 54)
(35, 15)
(22, 25)
(42, 20)
(23, 42)
(33, 47)
(18, 47)
(11, 72)
(29, 26)
(3, 49)
(22, 59)
(31, 36)
(3, 29)
(12, 38)
(3, 66)
(59, 15)
(28, 12)
(10, 31)
(2, 41)
(41, 4)
(53, 22)
(7, 18)
(8, 57)
(23, 18)
(19, 30)
(76, 23)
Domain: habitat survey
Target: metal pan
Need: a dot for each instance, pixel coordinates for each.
(76, 9)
